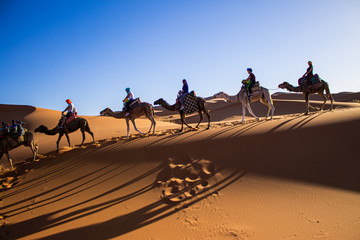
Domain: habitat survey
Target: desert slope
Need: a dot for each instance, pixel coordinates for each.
(295, 177)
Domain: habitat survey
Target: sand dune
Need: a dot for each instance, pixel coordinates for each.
(295, 177)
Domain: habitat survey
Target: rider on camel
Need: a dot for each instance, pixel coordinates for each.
(183, 93)
(309, 73)
(70, 109)
(128, 100)
(249, 82)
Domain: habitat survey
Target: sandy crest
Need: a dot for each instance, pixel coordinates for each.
(295, 177)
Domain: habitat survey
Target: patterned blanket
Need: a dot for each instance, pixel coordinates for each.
(190, 104)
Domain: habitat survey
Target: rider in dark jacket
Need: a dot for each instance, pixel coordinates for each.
(309, 73)
(249, 82)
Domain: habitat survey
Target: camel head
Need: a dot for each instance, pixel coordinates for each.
(283, 85)
(159, 101)
(105, 112)
(41, 129)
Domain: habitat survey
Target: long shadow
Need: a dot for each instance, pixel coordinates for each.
(192, 135)
(226, 129)
(283, 123)
(303, 123)
(241, 131)
(63, 195)
(119, 225)
(57, 173)
(166, 139)
(55, 188)
(51, 175)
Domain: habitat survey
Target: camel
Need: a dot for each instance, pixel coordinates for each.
(74, 125)
(144, 109)
(8, 143)
(263, 95)
(306, 91)
(202, 108)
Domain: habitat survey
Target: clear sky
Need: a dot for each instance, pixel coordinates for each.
(90, 50)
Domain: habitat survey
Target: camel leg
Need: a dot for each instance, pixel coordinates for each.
(10, 160)
(307, 103)
(133, 122)
(208, 116)
(272, 110)
(87, 129)
(270, 106)
(34, 148)
(263, 101)
(243, 112)
(201, 118)
(250, 111)
(57, 143)
(68, 139)
(182, 122)
(150, 127)
(182, 115)
(128, 128)
(325, 99)
(153, 124)
(327, 90)
(83, 135)
(332, 101)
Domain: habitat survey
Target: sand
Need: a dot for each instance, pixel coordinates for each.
(295, 177)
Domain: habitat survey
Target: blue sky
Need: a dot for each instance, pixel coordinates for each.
(90, 51)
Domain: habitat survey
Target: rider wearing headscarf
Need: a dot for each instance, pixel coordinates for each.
(70, 109)
(128, 100)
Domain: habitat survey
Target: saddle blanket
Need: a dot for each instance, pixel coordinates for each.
(71, 118)
(190, 104)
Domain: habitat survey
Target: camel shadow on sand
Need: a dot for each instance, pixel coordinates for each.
(117, 226)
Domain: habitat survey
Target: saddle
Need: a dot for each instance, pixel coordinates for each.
(71, 118)
(255, 87)
(134, 103)
(315, 79)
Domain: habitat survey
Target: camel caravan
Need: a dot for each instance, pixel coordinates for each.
(186, 103)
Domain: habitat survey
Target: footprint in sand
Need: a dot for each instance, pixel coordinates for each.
(180, 181)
